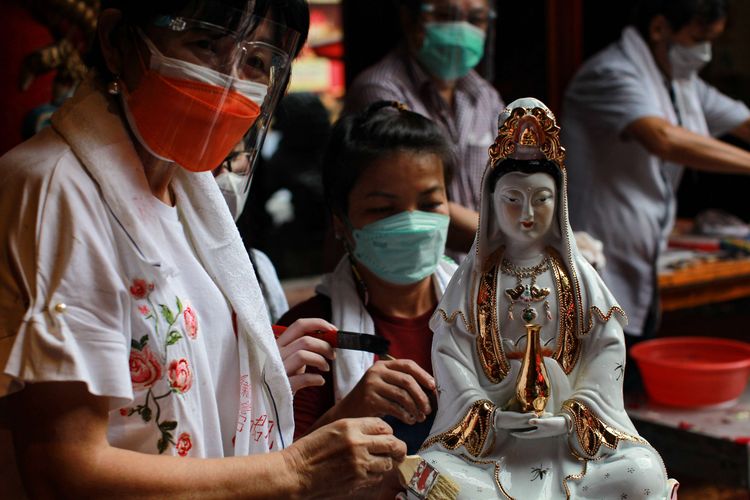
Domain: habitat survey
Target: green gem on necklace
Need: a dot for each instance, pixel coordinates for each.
(529, 314)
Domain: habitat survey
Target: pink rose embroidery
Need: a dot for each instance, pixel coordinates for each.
(140, 288)
(124, 412)
(191, 322)
(144, 310)
(145, 369)
(183, 444)
(180, 377)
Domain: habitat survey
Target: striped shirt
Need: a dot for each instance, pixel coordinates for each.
(471, 124)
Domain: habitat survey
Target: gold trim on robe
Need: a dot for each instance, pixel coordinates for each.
(489, 348)
(592, 432)
(568, 343)
(471, 432)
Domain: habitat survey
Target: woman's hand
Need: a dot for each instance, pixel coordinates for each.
(397, 388)
(345, 456)
(298, 351)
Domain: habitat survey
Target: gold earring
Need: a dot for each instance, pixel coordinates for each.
(113, 87)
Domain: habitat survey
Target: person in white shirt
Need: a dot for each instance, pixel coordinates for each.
(136, 354)
(633, 116)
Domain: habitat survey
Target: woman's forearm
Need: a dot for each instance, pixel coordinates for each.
(116, 473)
(60, 434)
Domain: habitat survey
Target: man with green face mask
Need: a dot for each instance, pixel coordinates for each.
(432, 72)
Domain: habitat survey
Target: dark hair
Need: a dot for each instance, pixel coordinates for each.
(385, 127)
(678, 13)
(291, 13)
(413, 6)
(526, 167)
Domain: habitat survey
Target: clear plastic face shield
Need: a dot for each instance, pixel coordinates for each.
(268, 60)
(211, 78)
(457, 34)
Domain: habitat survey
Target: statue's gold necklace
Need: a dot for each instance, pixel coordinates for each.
(526, 294)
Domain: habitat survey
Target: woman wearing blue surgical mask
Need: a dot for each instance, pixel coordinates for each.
(136, 356)
(385, 174)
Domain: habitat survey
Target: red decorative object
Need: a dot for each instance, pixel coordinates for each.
(191, 322)
(184, 444)
(145, 368)
(685, 426)
(180, 376)
(140, 288)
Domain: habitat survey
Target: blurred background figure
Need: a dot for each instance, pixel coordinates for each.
(633, 116)
(44, 44)
(286, 214)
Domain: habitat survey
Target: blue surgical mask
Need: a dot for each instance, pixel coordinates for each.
(451, 49)
(404, 248)
(686, 61)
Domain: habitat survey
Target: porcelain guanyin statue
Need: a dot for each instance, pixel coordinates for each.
(567, 435)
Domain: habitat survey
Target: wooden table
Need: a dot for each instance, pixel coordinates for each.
(705, 283)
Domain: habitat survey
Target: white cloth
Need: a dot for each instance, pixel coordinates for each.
(273, 292)
(619, 192)
(487, 460)
(89, 234)
(350, 314)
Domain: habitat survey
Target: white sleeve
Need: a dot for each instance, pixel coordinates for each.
(63, 302)
(722, 112)
(609, 96)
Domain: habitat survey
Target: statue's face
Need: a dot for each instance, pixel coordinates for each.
(525, 207)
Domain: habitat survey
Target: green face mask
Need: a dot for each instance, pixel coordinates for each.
(403, 248)
(451, 49)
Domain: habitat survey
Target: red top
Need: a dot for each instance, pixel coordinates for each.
(411, 338)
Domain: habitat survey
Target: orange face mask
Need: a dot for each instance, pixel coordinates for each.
(192, 123)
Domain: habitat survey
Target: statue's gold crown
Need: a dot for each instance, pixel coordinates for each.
(528, 134)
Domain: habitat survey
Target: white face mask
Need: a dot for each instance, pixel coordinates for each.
(183, 70)
(232, 186)
(687, 61)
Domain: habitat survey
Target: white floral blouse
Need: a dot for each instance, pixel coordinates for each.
(154, 307)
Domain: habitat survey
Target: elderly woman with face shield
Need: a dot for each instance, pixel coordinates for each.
(136, 356)
(508, 425)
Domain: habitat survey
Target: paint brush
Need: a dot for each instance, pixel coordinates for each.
(424, 481)
(347, 340)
